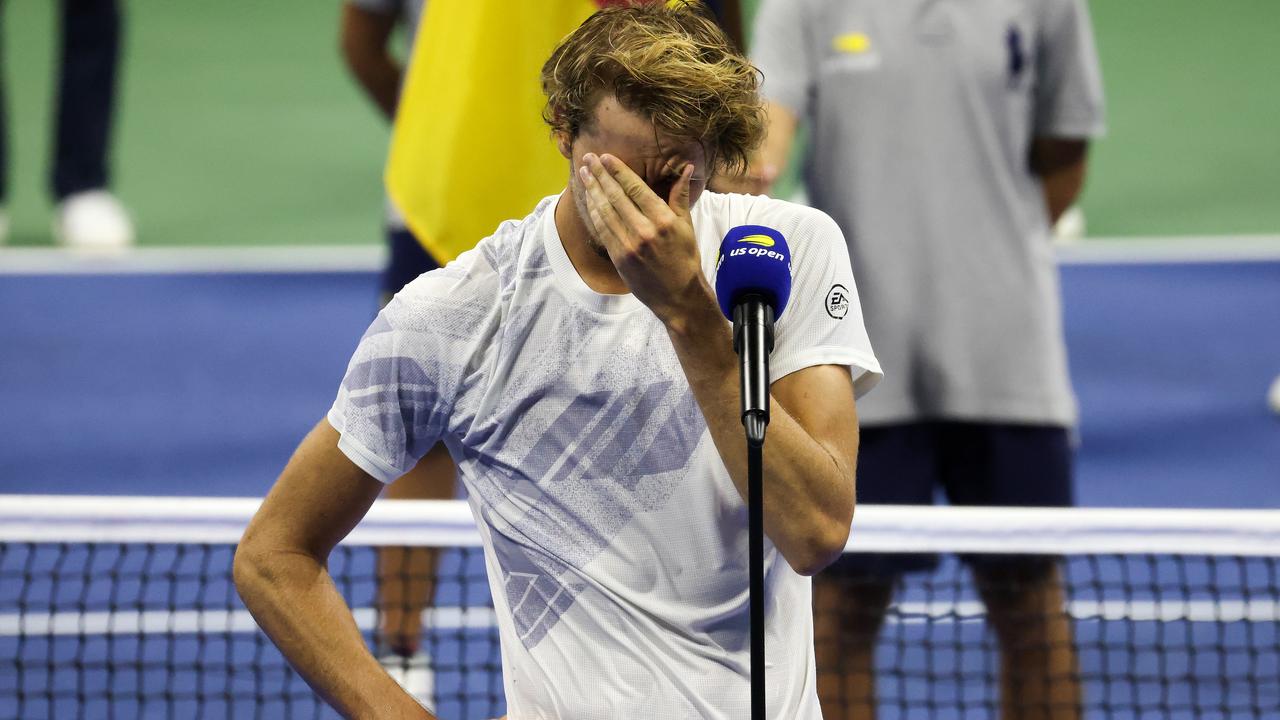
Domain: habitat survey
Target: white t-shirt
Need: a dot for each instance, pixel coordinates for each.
(615, 541)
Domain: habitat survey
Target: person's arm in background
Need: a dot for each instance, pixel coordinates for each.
(281, 573)
(365, 41)
(1069, 105)
(781, 52)
(1061, 164)
(769, 160)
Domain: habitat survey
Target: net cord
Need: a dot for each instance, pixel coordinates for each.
(876, 528)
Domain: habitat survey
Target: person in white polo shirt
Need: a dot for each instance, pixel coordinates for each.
(945, 140)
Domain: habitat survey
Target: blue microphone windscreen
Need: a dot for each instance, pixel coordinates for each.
(753, 259)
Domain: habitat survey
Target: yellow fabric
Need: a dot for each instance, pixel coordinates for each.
(469, 148)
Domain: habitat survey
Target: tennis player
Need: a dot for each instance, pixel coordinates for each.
(578, 369)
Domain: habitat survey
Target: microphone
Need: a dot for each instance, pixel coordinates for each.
(753, 283)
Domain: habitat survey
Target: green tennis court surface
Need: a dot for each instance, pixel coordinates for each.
(239, 125)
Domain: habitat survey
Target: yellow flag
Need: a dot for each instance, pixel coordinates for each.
(469, 148)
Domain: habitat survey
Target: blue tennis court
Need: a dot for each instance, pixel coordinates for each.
(203, 383)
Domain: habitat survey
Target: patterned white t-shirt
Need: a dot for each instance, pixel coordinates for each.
(615, 541)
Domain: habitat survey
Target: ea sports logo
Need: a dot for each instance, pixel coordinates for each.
(838, 302)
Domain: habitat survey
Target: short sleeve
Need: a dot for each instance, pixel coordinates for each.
(397, 398)
(822, 323)
(781, 52)
(1069, 98)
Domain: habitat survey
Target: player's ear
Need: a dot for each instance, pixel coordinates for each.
(564, 144)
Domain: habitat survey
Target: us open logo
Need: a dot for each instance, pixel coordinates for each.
(838, 302)
(758, 239)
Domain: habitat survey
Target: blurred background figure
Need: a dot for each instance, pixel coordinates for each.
(946, 140)
(87, 215)
(406, 576)
(368, 27)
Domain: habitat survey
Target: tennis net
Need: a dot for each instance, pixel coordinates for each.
(124, 607)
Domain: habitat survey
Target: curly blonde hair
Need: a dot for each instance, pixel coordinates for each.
(669, 62)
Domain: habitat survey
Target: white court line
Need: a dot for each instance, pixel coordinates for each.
(153, 622)
(1173, 250)
(370, 258)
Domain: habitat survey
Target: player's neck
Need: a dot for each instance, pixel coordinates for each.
(595, 269)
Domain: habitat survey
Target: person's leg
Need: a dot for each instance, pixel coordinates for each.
(1020, 466)
(86, 95)
(849, 611)
(407, 575)
(895, 466)
(88, 216)
(406, 259)
(1039, 674)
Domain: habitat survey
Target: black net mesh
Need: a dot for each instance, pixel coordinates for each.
(1093, 636)
(157, 631)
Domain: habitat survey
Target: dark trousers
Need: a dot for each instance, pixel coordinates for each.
(406, 260)
(90, 54)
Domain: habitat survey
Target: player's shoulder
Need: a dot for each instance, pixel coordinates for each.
(477, 281)
(797, 223)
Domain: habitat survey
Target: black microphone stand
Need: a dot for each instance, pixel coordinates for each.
(753, 340)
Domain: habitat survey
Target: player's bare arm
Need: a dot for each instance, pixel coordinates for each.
(281, 572)
(809, 495)
(1061, 164)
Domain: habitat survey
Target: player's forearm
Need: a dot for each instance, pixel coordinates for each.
(808, 496)
(293, 599)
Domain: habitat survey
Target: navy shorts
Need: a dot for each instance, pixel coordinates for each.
(406, 260)
(968, 463)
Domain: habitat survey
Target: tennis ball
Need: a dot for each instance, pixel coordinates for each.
(1273, 396)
